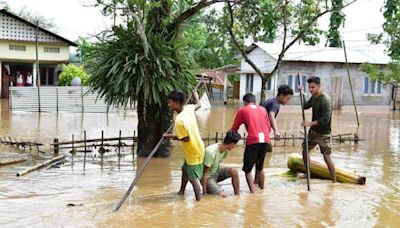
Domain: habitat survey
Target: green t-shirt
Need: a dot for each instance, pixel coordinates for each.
(212, 159)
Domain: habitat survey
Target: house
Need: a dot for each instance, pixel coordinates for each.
(325, 62)
(18, 52)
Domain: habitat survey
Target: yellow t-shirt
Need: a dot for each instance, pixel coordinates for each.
(186, 126)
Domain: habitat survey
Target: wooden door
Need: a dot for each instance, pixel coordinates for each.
(336, 92)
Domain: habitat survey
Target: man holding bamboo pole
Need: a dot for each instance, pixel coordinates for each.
(320, 127)
(188, 133)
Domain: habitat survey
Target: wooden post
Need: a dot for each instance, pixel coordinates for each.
(37, 66)
(11, 97)
(84, 144)
(56, 146)
(293, 139)
(57, 99)
(133, 142)
(350, 83)
(119, 143)
(208, 138)
(216, 137)
(284, 139)
(83, 107)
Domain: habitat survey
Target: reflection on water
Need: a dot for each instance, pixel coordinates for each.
(41, 198)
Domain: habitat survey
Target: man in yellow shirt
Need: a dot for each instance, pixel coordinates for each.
(188, 133)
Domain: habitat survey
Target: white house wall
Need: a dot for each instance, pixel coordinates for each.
(328, 70)
(264, 61)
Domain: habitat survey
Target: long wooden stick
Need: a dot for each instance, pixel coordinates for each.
(351, 85)
(12, 160)
(146, 162)
(305, 135)
(38, 166)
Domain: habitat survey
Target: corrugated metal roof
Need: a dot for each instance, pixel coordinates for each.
(304, 53)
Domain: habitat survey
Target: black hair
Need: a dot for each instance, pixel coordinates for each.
(177, 96)
(249, 98)
(231, 137)
(315, 80)
(284, 90)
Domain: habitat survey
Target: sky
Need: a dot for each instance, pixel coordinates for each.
(73, 19)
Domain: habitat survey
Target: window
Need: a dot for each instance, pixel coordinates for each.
(52, 49)
(17, 47)
(249, 83)
(293, 82)
(372, 87)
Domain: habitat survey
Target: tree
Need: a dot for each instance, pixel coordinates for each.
(84, 47)
(71, 71)
(206, 44)
(298, 20)
(35, 17)
(147, 53)
(389, 76)
(336, 20)
(391, 27)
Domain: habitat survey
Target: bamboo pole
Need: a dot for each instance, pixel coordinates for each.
(351, 86)
(12, 161)
(119, 144)
(305, 136)
(40, 165)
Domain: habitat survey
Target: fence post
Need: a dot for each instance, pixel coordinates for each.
(119, 144)
(83, 108)
(11, 97)
(216, 137)
(84, 144)
(57, 99)
(56, 146)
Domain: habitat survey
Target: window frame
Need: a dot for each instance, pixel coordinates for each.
(293, 85)
(377, 87)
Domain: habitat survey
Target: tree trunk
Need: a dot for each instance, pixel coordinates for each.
(152, 124)
(394, 97)
(264, 81)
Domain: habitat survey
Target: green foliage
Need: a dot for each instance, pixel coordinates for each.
(301, 18)
(121, 73)
(233, 77)
(336, 20)
(389, 76)
(71, 71)
(206, 44)
(83, 48)
(392, 27)
(375, 38)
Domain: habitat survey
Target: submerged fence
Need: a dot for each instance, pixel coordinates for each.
(60, 99)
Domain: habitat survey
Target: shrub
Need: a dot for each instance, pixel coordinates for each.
(71, 71)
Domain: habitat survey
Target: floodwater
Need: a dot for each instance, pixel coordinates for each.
(41, 198)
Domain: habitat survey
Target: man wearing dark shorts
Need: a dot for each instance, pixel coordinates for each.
(320, 131)
(254, 117)
(214, 172)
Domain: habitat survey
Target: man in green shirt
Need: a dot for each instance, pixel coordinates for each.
(320, 127)
(213, 173)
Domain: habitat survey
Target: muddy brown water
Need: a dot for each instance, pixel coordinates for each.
(40, 199)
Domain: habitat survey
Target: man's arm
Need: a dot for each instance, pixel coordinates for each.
(197, 100)
(274, 125)
(324, 119)
(174, 137)
(238, 121)
(204, 179)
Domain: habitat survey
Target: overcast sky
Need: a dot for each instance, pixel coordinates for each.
(73, 19)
